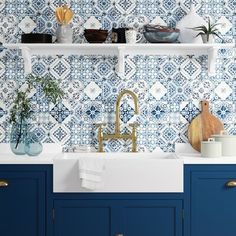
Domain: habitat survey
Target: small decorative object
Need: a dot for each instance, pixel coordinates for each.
(95, 36)
(64, 32)
(22, 142)
(207, 32)
(36, 38)
(191, 20)
(131, 36)
(161, 34)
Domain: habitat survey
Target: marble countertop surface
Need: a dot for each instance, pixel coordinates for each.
(52, 151)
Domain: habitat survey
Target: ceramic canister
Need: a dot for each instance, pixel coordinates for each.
(228, 143)
(131, 36)
(211, 148)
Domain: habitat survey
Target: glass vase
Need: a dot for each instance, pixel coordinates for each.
(17, 138)
(33, 146)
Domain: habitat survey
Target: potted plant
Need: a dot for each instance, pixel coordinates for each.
(207, 32)
(21, 111)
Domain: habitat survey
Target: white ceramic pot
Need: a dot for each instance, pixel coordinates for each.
(210, 40)
(211, 148)
(228, 143)
(64, 34)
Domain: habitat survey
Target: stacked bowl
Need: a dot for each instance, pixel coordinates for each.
(161, 34)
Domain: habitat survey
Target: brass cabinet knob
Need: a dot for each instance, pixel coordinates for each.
(3, 183)
(120, 235)
(231, 184)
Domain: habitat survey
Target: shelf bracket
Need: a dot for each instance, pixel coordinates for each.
(121, 62)
(212, 57)
(27, 59)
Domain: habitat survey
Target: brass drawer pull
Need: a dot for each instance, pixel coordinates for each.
(120, 235)
(231, 184)
(3, 183)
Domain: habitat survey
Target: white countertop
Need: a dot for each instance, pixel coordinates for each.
(53, 152)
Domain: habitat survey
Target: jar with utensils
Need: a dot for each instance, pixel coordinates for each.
(64, 16)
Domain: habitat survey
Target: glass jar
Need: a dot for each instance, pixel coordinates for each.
(33, 147)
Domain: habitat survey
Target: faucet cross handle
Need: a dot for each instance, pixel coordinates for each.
(100, 136)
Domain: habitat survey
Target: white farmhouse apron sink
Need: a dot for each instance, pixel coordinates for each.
(124, 172)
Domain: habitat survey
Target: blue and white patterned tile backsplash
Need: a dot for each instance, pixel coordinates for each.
(169, 88)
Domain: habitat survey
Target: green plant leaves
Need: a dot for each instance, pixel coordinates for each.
(21, 109)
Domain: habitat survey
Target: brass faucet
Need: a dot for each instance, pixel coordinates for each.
(117, 134)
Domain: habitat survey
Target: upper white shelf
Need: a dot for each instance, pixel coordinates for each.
(119, 50)
(113, 49)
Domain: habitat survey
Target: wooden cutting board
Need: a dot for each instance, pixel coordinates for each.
(203, 126)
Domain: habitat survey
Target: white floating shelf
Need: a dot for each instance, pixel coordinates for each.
(119, 50)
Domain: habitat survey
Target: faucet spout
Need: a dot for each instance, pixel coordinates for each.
(117, 135)
(118, 103)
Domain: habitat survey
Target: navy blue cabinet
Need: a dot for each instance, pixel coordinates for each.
(210, 204)
(82, 217)
(152, 217)
(22, 201)
(118, 217)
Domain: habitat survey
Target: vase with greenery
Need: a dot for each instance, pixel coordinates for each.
(21, 110)
(208, 32)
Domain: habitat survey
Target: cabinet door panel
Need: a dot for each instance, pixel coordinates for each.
(155, 218)
(22, 204)
(82, 217)
(212, 204)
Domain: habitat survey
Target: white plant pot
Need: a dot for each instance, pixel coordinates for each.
(210, 40)
(64, 34)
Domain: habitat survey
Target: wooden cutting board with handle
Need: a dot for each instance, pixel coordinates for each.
(203, 126)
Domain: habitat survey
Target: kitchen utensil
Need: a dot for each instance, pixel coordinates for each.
(64, 15)
(95, 36)
(36, 38)
(211, 148)
(228, 143)
(203, 127)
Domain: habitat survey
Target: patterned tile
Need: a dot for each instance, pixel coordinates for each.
(169, 89)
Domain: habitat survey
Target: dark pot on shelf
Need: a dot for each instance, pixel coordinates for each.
(95, 36)
(36, 38)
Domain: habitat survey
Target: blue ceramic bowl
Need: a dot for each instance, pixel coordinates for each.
(162, 36)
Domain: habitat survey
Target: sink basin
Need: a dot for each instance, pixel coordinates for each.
(124, 172)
